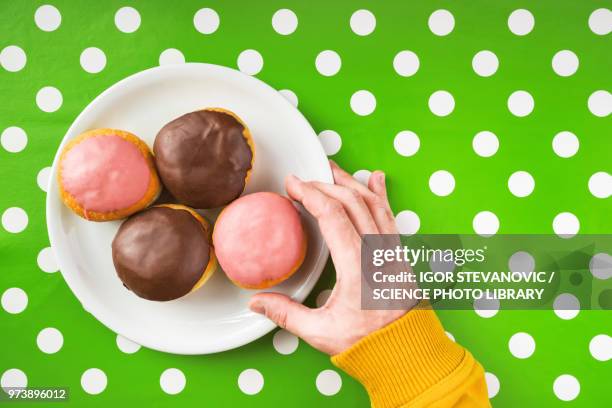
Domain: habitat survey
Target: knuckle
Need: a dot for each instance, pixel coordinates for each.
(332, 208)
(279, 317)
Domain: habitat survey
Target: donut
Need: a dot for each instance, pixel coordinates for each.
(107, 174)
(259, 240)
(205, 158)
(164, 252)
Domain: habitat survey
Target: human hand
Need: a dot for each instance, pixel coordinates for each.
(345, 211)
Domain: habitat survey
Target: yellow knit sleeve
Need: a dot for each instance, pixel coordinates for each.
(412, 363)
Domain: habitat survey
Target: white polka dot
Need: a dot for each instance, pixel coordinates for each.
(14, 220)
(441, 183)
(450, 336)
(285, 342)
(565, 63)
(328, 63)
(520, 103)
(93, 60)
(171, 56)
(14, 139)
(441, 103)
(485, 223)
(521, 22)
(441, 22)
(42, 179)
(600, 103)
(47, 18)
(14, 300)
(407, 222)
(46, 260)
(322, 297)
(566, 387)
(49, 99)
(290, 96)
(521, 184)
(13, 378)
(521, 345)
(600, 21)
(172, 381)
(601, 266)
(522, 262)
(600, 184)
(93, 381)
(492, 384)
(565, 144)
(363, 102)
(486, 307)
(566, 306)
(363, 22)
(331, 141)
(406, 143)
(250, 62)
(329, 382)
(13, 58)
(126, 345)
(50, 340)
(284, 21)
(206, 21)
(485, 143)
(485, 63)
(406, 63)
(566, 225)
(127, 19)
(250, 381)
(362, 176)
(600, 347)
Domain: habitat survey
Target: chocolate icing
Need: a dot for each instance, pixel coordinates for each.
(203, 158)
(161, 253)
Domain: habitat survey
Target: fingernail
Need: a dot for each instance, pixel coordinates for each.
(333, 163)
(257, 306)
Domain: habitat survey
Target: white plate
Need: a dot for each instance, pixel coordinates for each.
(216, 317)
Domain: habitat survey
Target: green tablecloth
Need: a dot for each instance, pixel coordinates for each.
(57, 54)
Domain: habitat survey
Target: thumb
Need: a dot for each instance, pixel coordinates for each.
(285, 312)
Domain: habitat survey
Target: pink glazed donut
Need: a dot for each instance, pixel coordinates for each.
(259, 240)
(107, 174)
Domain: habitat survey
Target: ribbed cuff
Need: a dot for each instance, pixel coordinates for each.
(402, 360)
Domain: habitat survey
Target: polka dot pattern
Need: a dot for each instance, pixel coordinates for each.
(363, 22)
(250, 381)
(363, 102)
(206, 21)
(352, 91)
(522, 345)
(329, 382)
(172, 381)
(13, 139)
(284, 22)
(50, 340)
(171, 56)
(13, 58)
(93, 60)
(47, 17)
(331, 141)
(328, 63)
(94, 381)
(127, 19)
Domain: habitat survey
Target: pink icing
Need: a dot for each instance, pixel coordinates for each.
(105, 173)
(258, 237)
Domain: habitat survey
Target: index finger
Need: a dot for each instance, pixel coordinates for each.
(339, 233)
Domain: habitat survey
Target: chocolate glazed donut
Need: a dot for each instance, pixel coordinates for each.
(164, 252)
(204, 158)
